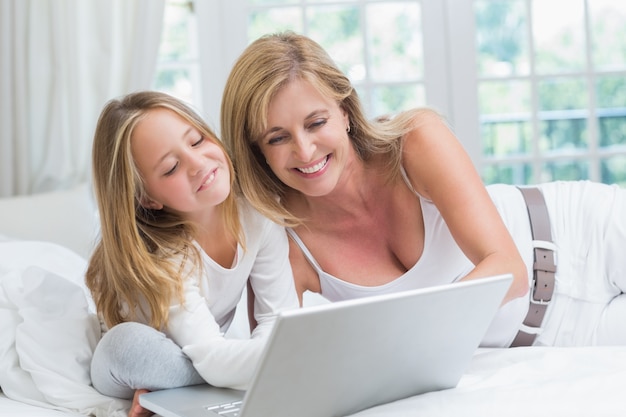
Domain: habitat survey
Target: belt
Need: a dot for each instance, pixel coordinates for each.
(544, 267)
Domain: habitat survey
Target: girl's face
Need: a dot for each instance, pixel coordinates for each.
(183, 171)
(306, 144)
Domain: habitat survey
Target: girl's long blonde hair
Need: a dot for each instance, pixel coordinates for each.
(139, 263)
(267, 65)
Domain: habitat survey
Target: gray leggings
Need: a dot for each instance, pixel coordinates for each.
(133, 356)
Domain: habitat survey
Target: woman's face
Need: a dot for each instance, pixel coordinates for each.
(183, 171)
(306, 144)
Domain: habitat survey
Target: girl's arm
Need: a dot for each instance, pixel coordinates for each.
(271, 279)
(220, 361)
(231, 362)
(441, 170)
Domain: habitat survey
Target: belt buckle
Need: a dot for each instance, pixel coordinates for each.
(539, 301)
(544, 267)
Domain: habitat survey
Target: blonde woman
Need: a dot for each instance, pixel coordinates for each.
(177, 250)
(393, 204)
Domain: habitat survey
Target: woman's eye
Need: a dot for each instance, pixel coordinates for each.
(275, 140)
(317, 123)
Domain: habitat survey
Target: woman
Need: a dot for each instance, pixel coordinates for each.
(394, 204)
(178, 248)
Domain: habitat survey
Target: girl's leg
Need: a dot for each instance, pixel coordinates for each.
(133, 356)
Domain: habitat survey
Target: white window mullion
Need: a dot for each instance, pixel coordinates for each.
(592, 116)
(436, 56)
(222, 36)
(464, 111)
(536, 160)
(367, 81)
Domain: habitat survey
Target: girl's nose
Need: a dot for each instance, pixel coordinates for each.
(195, 163)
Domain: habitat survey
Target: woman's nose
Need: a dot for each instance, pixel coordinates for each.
(303, 148)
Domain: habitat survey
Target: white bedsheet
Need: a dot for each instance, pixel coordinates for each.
(48, 330)
(538, 382)
(529, 381)
(12, 408)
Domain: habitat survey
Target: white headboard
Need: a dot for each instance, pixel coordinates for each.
(67, 217)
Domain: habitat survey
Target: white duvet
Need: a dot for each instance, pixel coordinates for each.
(49, 330)
(528, 381)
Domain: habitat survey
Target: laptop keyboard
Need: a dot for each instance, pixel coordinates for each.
(227, 409)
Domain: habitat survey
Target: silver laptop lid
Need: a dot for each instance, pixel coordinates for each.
(339, 358)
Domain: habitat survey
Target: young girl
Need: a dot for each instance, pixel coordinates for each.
(177, 250)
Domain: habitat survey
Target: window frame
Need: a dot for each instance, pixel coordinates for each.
(450, 80)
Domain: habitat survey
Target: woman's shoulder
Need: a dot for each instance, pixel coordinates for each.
(420, 116)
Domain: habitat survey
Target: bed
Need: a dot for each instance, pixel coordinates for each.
(48, 330)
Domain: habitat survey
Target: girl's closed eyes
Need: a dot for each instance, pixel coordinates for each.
(194, 144)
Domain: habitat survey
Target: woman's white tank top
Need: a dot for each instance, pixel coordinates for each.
(442, 262)
(429, 270)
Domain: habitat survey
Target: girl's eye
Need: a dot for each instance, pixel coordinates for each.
(199, 141)
(172, 170)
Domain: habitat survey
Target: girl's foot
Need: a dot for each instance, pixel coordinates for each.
(136, 410)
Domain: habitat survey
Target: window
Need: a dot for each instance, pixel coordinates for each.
(178, 71)
(552, 89)
(534, 89)
(378, 44)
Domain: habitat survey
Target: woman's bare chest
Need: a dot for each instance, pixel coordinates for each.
(372, 248)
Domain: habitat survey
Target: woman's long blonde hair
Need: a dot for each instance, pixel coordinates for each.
(267, 65)
(139, 263)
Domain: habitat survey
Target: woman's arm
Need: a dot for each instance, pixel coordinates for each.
(441, 170)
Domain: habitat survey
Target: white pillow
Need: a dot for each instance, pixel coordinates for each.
(49, 330)
(66, 217)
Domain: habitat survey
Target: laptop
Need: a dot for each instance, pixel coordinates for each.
(339, 358)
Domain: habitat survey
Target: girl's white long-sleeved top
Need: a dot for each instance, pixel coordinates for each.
(198, 325)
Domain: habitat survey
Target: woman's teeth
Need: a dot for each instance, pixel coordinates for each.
(314, 168)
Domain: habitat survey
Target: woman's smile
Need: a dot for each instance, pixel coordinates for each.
(316, 167)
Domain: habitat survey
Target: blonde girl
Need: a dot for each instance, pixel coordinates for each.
(177, 250)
